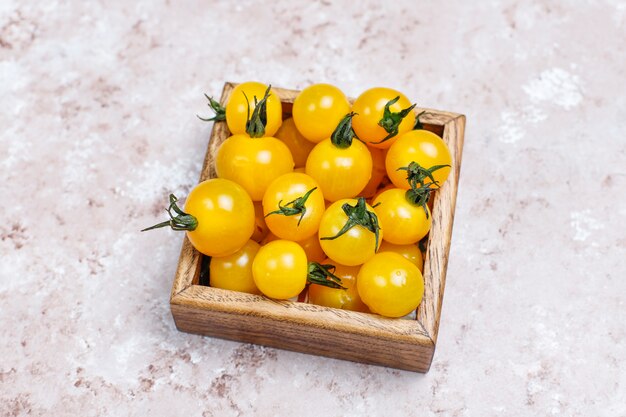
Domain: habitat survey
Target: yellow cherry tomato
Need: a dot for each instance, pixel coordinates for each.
(405, 222)
(340, 172)
(225, 216)
(280, 269)
(234, 272)
(293, 205)
(378, 173)
(297, 144)
(420, 146)
(312, 248)
(356, 245)
(390, 285)
(410, 252)
(346, 299)
(237, 108)
(318, 109)
(260, 227)
(370, 110)
(253, 163)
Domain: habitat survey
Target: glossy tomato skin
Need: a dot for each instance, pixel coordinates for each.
(340, 172)
(260, 227)
(299, 146)
(237, 108)
(378, 173)
(312, 248)
(410, 252)
(346, 299)
(234, 272)
(280, 269)
(318, 109)
(390, 285)
(285, 189)
(370, 106)
(355, 246)
(423, 147)
(225, 216)
(253, 163)
(405, 223)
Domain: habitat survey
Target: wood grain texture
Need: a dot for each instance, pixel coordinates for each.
(368, 338)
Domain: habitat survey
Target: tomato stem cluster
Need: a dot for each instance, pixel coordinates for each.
(417, 174)
(255, 125)
(391, 121)
(297, 206)
(182, 220)
(323, 275)
(217, 108)
(343, 134)
(419, 191)
(358, 215)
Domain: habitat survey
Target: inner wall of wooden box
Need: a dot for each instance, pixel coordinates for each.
(201, 274)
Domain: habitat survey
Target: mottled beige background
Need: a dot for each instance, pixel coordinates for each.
(97, 125)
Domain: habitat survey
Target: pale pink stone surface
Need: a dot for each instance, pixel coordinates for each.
(97, 125)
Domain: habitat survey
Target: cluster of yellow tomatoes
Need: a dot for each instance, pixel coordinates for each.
(333, 199)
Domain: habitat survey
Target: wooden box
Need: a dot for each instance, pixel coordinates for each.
(399, 343)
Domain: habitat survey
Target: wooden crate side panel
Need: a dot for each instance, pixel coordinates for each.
(300, 337)
(436, 262)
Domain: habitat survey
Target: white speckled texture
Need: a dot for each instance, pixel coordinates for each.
(97, 125)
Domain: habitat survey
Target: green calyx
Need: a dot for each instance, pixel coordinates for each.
(255, 125)
(419, 197)
(323, 275)
(344, 134)
(358, 215)
(418, 123)
(391, 121)
(417, 174)
(216, 107)
(182, 220)
(294, 207)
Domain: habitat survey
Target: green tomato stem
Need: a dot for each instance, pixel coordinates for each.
(391, 121)
(418, 123)
(182, 220)
(297, 206)
(216, 107)
(343, 134)
(323, 275)
(358, 215)
(255, 124)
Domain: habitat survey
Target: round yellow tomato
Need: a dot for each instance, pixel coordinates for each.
(390, 285)
(238, 107)
(346, 299)
(234, 272)
(218, 217)
(318, 109)
(405, 222)
(280, 269)
(410, 252)
(370, 110)
(358, 243)
(293, 205)
(299, 146)
(253, 163)
(378, 173)
(340, 172)
(420, 146)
